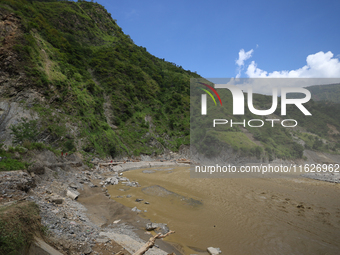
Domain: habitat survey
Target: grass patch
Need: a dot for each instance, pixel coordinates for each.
(18, 225)
(9, 164)
(236, 140)
(240, 143)
(309, 139)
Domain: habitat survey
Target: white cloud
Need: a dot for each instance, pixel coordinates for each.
(242, 56)
(319, 65)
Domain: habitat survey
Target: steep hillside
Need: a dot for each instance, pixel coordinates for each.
(71, 80)
(82, 84)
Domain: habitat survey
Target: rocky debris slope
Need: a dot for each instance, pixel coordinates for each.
(47, 185)
(328, 176)
(14, 185)
(54, 183)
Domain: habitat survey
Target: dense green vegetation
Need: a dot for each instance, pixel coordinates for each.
(105, 95)
(7, 162)
(15, 158)
(79, 58)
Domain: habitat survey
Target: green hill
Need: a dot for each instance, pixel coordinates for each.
(89, 88)
(88, 76)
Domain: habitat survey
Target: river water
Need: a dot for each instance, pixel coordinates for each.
(240, 216)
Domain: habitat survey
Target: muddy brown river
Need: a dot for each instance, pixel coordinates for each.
(240, 216)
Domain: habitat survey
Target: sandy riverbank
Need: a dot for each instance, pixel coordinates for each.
(74, 227)
(104, 212)
(287, 211)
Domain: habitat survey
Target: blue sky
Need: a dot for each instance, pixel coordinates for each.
(208, 36)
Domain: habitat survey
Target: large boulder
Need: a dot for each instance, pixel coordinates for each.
(47, 156)
(37, 168)
(213, 251)
(158, 227)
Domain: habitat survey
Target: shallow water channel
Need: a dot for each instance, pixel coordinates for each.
(240, 216)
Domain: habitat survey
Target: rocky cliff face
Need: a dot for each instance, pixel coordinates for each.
(15, 86)
(14, 82)
(11, 75)
(11, 113)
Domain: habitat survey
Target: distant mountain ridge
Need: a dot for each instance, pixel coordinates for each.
(330, 93)
(326, 93)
